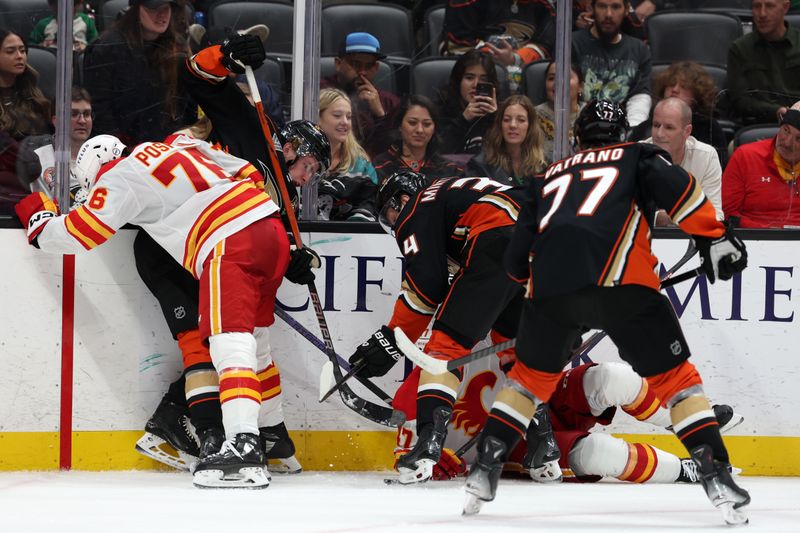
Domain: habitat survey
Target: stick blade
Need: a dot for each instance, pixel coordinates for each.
(420, 358)
(326, 380)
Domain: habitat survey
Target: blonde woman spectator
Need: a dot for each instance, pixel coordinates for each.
(347, 191)
(512, 150)
(546, 110)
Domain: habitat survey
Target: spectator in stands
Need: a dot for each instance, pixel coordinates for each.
(512, 150)
(24, 110)
(467, 115)
(83, 29)
(376, 109)
(513, 32)
(672, 131)
(546, 111)
(759, 185)
(690, 82)
(132, 73)
(764, 65)
(416, 147)
(36, 162)
(347, 190)
(614, 66)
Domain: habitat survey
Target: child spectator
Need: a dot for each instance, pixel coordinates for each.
(83, 29)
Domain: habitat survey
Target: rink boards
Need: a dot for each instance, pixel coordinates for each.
(743, 335)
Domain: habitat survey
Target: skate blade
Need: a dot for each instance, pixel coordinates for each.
(735, 420)
(549, 473)
(423, 473)
(733, 516)
(284, 465)
(160, 450)
(472, 505)
(248, 477)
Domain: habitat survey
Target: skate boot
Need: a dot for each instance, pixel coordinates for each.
(239, 463)
(211, 440)
(689, 473)
(417, 465)
(169, 437)
(723, 492)
(726, 417)
(541, 460)
(484, 474)
(279, 450)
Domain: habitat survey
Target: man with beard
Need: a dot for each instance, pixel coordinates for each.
(375, 109)
(615, 66)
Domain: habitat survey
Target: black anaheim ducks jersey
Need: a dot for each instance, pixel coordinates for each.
(434, 227)
(583, 224)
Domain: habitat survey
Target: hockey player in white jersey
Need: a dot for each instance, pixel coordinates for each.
(206, 209)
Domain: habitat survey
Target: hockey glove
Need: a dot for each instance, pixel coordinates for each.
(722, 258)
(449, 466)
(34, 211)
(239, 51)
(300, 264)
(380, 353)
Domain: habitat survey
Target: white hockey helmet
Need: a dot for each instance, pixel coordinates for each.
(96, 152)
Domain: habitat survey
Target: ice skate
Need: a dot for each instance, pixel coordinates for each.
(689, 473)
(723, 492)
(417, 465)
(279, 450)
(169, 437)
(240, 463)
(484, 474)
(726, 417)
(541, 460)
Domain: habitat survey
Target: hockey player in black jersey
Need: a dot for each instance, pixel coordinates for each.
(301, 150)
(582, 247)
(458, 226)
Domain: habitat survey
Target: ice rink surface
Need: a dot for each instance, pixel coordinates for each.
(161, 502)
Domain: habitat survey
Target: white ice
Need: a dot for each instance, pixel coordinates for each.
(161, 502)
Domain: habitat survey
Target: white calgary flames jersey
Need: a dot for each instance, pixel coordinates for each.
(187, 195)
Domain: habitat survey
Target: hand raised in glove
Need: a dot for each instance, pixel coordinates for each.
(449, 466)
(34, 211)
(722, 258)
(239, 51)
(301, 262)
(379, 352)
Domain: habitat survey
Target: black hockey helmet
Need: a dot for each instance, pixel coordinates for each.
(402, 182)
(308, 139)
(599, 123)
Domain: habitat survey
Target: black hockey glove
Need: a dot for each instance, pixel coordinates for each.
(380, 353)
(722, 258)
(241, 50)
(300, 264)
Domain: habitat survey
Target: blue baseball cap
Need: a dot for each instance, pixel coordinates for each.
(361, 43)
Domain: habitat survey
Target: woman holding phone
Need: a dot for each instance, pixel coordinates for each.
(468, 103)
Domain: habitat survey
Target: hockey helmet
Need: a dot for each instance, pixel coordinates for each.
(400, 183)
(94, 153)
(599, 123)
(308, 139)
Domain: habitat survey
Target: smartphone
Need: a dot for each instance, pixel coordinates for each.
(484, 89)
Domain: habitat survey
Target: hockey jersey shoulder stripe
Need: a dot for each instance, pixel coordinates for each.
(690, 200)
(243, 198)
(86, 228)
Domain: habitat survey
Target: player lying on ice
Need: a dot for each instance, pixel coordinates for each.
(206, 209)
(560, 440)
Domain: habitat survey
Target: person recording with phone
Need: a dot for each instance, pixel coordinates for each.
(468, 103)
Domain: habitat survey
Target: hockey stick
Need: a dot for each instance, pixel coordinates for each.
(439, 366)
(350, 399)
(337, 384)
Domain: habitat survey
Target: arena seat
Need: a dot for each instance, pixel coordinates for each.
(223, 17)
(391, 24)
(20, 16)
(694, 35)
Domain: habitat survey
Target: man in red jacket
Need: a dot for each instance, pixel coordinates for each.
(759, 184)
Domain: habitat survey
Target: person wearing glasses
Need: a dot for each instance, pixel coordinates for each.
(36, 163)
(375, 110)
